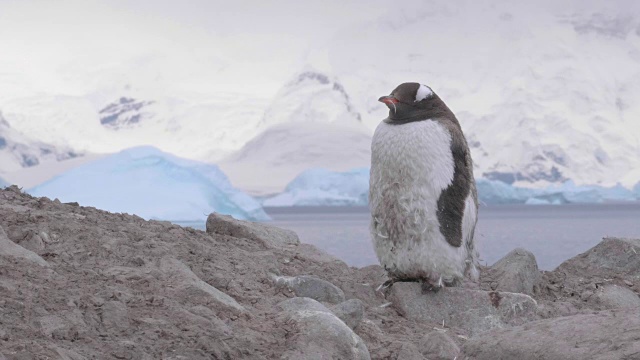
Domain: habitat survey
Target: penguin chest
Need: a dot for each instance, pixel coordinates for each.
(411, 165)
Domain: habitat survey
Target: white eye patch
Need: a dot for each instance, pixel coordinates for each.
(423, 93)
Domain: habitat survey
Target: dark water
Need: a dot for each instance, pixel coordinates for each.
(552, 233)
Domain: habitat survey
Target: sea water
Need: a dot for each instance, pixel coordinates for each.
(553, 233)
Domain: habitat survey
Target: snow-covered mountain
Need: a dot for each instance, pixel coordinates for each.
(18, 151)
(310, 123)
(154, 185)
(196, 127)
(311, 96)
(546, 92)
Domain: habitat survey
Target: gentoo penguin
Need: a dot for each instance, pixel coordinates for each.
(422, 192)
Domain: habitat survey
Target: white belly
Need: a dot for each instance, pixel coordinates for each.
(410, 166)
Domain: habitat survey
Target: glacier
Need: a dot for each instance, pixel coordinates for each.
(154, 185)
(322, 187)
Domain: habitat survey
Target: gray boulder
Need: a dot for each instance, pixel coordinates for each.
(408, 351)
(320, 335)
(437, 345)
(311, 287)
(473, 310)
(301, 304)
(180, 278)
(586, 280)
(350, 311)
(616, 297)
(611, 258)
(516, 272)
(269, 235)
(611, 334)
(9, 248)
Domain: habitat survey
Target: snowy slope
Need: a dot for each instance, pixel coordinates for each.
(311, 96)
(545, 91)
(194, 127)
(275, 157)
(152, 184)
(311, 123)
(18, 151)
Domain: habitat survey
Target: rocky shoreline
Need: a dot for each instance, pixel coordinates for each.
(80, 283)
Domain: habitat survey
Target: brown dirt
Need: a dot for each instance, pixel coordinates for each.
(108, 292)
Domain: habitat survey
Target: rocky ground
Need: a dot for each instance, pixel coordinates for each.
(81, 283)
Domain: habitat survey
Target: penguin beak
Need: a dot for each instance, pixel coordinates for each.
(388, 100)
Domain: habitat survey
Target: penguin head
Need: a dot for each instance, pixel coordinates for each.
(413, 102)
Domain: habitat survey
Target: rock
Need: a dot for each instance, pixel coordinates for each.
(350, 311)
(611, 334)
(51, 324)
(516, 272)
(33, 243)
(437, 345)
(321, 335)
(408, 351)
(611, 258)
(114, 315)
(476, 311)
(66, 354)
(579, 279)
(269, 235)
(311, 287)
(182, 279)
(370, 333)
(9, 248)
(616, 297)
(300, 304)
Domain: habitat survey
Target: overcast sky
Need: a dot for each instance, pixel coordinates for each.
(52, 43)
(74, 46)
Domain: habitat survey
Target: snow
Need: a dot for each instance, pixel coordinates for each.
(28, 177)
(19, 151)
(274, 158)
(321, 187)
(154, 185)
(423, 92)
(326, 188)
(545, 93)
(311, 123)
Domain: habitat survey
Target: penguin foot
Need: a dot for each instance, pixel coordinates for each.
(432, 284)
(386, 285)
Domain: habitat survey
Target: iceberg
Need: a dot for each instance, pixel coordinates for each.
(498, 192)
(154, 185)
(322, 187)
(3, 183)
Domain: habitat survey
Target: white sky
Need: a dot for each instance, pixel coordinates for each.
(238, 46)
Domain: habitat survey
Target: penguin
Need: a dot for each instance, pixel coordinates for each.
(422, 192)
